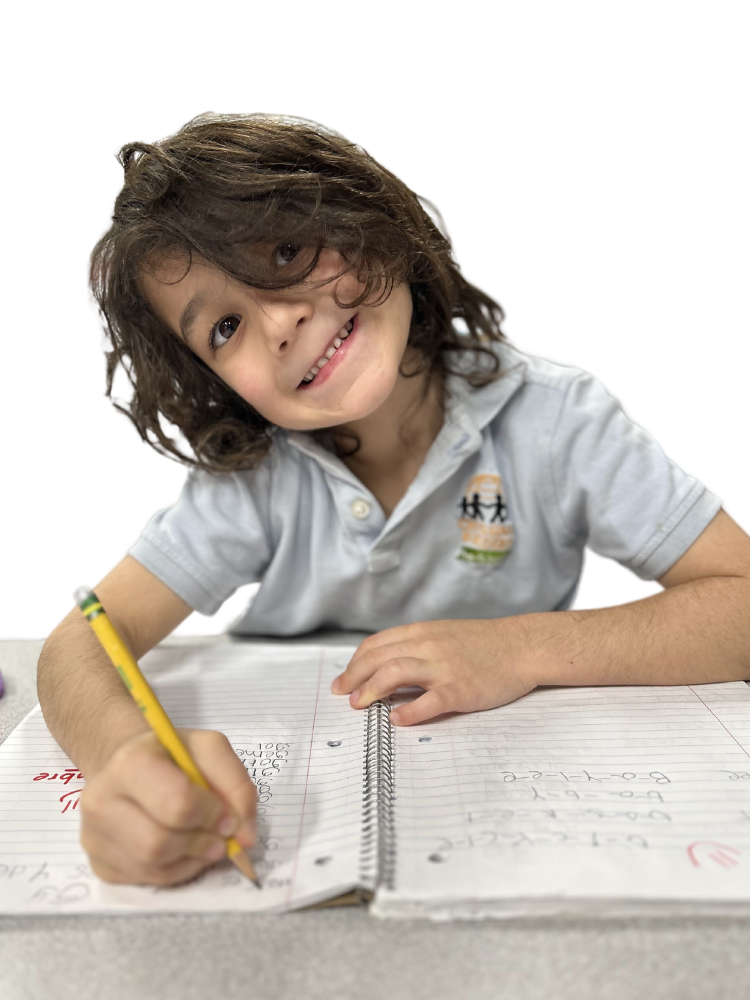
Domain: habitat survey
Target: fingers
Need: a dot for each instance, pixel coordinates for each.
(171, 799)
(370, 651)
(127, 840)
(366, 666)
(407, 672)
(427, 706)
(228, 779)
(398, 672)
(180, 871)
(143, 772)
(347, 681)
(144, 821)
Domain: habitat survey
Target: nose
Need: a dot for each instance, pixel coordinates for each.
(283, 319)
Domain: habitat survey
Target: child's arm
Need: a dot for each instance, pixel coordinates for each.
(142, 819)
(696, 631)
(75, 673)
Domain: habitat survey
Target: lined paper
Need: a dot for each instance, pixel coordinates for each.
(568, 800)
(302, 745)
(575, 797)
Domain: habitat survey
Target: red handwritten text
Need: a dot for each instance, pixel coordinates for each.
(65, 776)
(720, 854)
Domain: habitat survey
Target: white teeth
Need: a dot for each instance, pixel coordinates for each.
(328, 354)
(337, 342)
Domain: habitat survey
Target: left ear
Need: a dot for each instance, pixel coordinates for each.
(722, 549)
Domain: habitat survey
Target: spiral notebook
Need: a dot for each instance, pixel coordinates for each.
(605, 800)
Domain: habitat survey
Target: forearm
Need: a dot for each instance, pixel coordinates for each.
(694, 633)
(85, 703)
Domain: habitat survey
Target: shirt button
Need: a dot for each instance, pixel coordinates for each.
(361, 509)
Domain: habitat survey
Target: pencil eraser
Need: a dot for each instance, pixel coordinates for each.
(81, 594)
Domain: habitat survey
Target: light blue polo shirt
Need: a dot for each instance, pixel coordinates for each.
(524, 474)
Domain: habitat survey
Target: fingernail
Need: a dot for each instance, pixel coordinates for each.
(226, 827)
(354, 697)
(394, 718)
(336, 685)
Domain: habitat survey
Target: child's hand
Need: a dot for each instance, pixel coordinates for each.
(144, 821)
(463, 666)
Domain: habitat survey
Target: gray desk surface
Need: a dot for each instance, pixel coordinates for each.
(344, 954)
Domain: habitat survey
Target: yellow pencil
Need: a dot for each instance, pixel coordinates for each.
(148, 703)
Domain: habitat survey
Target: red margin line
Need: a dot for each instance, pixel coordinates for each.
(290, 897)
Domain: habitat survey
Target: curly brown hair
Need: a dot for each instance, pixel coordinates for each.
(226, 183)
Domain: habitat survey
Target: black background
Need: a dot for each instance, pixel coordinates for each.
(605, 241)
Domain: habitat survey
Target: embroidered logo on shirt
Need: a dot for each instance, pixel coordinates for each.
(486, 533)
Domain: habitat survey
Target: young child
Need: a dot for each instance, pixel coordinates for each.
(366, 443)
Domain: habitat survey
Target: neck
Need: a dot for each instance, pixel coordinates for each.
(395, 436)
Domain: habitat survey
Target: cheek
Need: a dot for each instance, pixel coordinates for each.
(270, 402)
(254, 389)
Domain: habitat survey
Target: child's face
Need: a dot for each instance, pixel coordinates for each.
(266, 344)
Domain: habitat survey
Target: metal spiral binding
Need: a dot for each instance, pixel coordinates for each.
(378, 851)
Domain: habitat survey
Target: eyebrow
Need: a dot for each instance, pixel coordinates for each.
(189, 315)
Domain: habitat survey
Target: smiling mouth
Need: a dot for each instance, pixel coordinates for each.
(336, 343)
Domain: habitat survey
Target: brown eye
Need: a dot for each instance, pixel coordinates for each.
(224, 330)
(286, 253)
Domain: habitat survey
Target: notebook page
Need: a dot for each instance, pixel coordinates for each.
(302, 746)
(573, 797)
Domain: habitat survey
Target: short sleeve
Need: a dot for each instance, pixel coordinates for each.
(616, 489)
(212, 541)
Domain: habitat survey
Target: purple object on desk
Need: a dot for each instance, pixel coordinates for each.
(2, 686)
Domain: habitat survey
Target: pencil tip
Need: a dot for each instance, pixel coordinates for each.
(245, 865)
